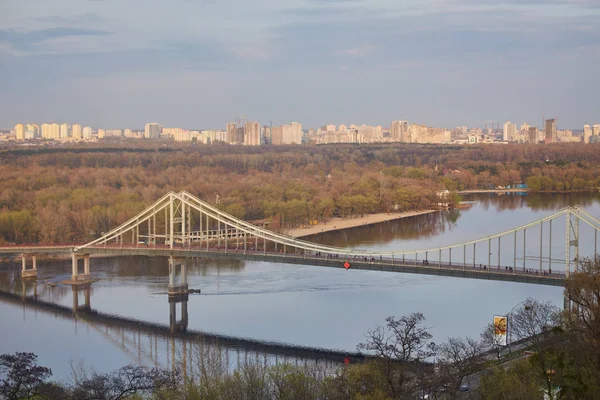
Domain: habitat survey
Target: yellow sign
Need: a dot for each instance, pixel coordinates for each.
(500, 329)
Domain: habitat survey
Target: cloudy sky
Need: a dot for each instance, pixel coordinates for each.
(199, 63)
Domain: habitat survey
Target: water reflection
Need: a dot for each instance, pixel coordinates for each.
(147, 342)
(534, 201)
(417, 227)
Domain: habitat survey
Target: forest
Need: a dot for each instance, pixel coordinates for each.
(72, 193)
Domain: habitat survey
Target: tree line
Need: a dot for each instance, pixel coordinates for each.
(67, 194)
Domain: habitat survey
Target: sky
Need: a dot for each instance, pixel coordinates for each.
(198, 64)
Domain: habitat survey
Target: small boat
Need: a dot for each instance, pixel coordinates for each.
(51, 284)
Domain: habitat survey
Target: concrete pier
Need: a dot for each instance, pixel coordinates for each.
(181, 287)
(28, 273)
(78, 278)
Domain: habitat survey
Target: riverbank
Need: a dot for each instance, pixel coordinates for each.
(336, 224)
(475, 191)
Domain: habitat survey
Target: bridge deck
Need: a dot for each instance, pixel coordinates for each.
(457, 270)
(382, 264)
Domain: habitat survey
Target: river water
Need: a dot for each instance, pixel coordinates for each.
(303, 305)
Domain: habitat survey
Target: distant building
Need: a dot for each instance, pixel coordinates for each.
(32, 131)
(76, 131)
(587, 133)
(287, 134)
(101, 133)
(596, 130)
(550, 131)
(533, 135)
(231, 129)
(277, 135)
(252, 133)
(510, 132)
(152, 130)
(399, 131)
(64, 131)
(20, 131)
(86, 133)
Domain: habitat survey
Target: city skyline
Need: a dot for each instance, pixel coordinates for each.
(251, 133)
(195, 63)
(391, 125)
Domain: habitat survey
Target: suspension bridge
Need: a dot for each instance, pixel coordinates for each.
(181, 226)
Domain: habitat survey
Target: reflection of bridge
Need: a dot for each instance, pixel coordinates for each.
(181, 225)
(170, 345)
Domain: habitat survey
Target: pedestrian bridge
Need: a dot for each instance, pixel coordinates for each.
(179, 225)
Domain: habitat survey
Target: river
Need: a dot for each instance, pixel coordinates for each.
(303, 305)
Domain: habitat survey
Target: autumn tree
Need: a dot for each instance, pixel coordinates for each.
(21, 376)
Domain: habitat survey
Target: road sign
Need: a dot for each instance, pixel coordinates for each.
(346, 265)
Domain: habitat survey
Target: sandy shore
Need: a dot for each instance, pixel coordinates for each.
(335, 224)
(474, 191)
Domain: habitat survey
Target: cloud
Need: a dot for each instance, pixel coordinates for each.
(359, 51)
(434, 47)
(86, 18)
(34, 41)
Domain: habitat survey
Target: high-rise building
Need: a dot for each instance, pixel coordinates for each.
(31, 131)
(20, 131)
(231, 129)
(76, 131)
(266, 135)
(252, 133)
(587, 133)
(550, 131)
(152, 130)
(277, 135)
(54, 131)
(399, 131)
(533, 135)
(510, 132)
(101, 133)
(87, 132)
(45, 131)
(596, 129)
(294, 133)
(287, 134)
(64, 131)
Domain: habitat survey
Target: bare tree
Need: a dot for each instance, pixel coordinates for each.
(458, 358)
(403, 339)
(21, 376)
(401, 346)
(123, 383)
(532, 320)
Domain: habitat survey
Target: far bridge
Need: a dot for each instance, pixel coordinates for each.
(180, 226)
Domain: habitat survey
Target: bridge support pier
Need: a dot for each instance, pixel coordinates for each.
(76, 277)
(28, 273)
(176, 289)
